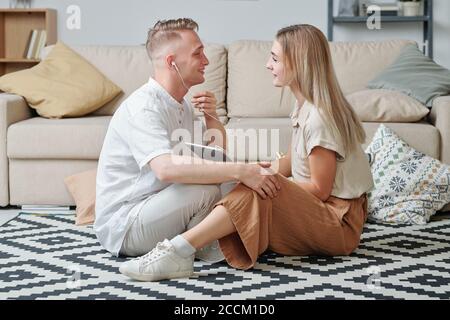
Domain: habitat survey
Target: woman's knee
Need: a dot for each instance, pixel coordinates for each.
(242, 192)
(241, 197)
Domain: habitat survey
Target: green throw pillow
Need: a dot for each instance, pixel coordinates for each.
(415, 75)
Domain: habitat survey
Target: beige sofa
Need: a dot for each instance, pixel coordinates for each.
(36, 154)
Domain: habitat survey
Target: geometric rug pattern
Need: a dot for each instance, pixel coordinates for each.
(48, 257)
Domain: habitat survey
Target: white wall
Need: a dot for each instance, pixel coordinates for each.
(125, 22)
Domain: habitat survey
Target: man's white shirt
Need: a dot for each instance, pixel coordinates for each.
(140, 130)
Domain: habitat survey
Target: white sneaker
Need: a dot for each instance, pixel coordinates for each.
(163, 262)
(210, 253)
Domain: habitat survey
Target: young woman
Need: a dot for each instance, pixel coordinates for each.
(321, 211)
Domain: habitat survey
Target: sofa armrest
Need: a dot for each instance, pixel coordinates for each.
(440, 118)
(13, 109)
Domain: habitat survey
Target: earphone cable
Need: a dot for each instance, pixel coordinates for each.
(184, 85)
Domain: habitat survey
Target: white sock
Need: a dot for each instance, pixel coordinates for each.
(182, 246)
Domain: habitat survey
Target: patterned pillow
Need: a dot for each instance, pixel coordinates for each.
(409, 186)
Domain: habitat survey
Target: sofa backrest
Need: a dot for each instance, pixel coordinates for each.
(250, 90)
(129, 67)
(237, 74)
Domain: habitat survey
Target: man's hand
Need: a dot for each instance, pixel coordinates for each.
(260, 178)
(206, 102)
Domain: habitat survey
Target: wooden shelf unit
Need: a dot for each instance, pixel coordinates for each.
(15, 28)
(426, 20)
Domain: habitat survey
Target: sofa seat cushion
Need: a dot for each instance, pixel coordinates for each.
(427, 141)
(41, 138)
(82, 138)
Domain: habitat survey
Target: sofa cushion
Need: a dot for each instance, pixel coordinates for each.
(250, 89)
(426, 142)
(129, 67)
(82, 188)
(416, 75)
(41, 138)
(386, 106)
(409, 186)
(357, 63)
(63, 85)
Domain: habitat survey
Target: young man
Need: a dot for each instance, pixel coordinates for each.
(145, 193)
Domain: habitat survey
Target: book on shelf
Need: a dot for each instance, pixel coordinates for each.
(41, 44)
(42, 206)
(47, 210)
(36, 42)
(27, 48)
(35, 45)
(31, 41)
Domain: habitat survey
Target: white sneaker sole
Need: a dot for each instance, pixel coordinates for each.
(152, 277)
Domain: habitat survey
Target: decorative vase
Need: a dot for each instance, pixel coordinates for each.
(400, 8)
(348, 8)
(362, 7)
(411, 9)
(20, 4)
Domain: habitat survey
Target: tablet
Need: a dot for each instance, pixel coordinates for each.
(213, 153)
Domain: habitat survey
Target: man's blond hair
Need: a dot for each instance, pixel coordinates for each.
(166, 31)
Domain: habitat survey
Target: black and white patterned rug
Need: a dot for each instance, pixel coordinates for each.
(48, 257)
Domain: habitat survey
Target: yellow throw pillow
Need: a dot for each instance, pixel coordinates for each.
(62, 85)
(82, 188)
(380, 105)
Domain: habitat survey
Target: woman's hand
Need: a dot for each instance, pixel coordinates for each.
(206, 102)
(260, 178)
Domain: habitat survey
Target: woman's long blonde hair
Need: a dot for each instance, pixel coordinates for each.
(307, 55)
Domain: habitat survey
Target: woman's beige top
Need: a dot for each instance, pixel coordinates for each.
(353, 175)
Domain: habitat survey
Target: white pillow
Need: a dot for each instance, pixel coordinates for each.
(381, 105)
(409, 186)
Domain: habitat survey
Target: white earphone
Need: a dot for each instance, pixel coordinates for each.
(179, 74)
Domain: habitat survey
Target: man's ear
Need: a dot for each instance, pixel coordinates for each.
(169, 60)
